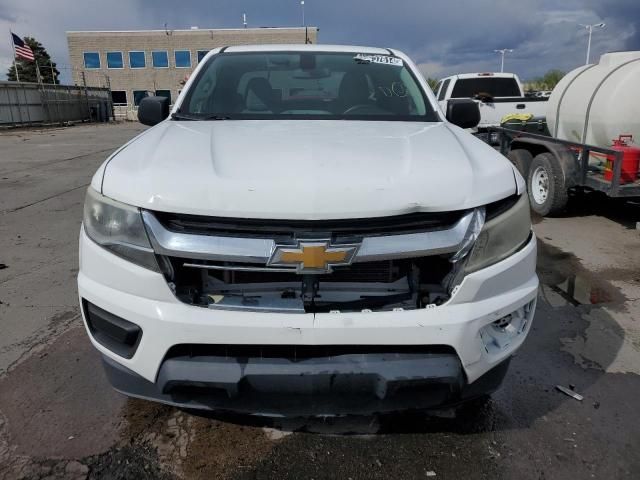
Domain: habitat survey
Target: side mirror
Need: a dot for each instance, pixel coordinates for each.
(153, 110)
(463, 113)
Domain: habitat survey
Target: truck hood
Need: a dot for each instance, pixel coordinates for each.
(305, 169)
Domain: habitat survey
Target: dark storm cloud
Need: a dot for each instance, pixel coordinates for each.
(443, 37)
(6, 16)
(620, 14)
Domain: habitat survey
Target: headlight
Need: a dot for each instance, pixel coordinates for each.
(501, 236)
(118, 228)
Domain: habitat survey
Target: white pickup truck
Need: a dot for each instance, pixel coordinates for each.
(498, 94)
(306, 232)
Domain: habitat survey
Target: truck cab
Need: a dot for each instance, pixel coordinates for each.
(497, 94)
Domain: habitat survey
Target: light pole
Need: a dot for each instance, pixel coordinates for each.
(502, 53)
(302, 5)
(590, 29)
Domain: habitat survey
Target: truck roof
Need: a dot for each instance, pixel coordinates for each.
(310, 48)
(462, 76)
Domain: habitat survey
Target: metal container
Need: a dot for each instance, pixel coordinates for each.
(630, 160)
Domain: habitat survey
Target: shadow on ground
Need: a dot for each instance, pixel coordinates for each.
(71, 413)
(626, 212)
(539, 366)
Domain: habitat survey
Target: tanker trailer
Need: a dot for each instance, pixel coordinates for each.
(597, 103)
(593, 117)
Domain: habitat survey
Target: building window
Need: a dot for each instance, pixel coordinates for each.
(160, 59)
(91, 60)
(114, 60)
(183, 58)
(138, 95)
(164, 93)
(119, 97)
(137, 60)
(202, 54)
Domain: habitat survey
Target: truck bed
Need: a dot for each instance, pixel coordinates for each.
(492, 112)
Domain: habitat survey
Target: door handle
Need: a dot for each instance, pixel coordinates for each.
(520, 106)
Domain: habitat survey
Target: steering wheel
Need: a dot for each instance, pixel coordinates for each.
(364, 107)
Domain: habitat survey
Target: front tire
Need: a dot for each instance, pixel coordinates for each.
(545, 184)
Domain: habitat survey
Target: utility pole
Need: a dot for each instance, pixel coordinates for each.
(244, 20)
(502, 53)
(112, 109)
(590, 30)
(86, 94)
(302, 5)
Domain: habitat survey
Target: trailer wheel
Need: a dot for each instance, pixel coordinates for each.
(521, 159)
(545, 184)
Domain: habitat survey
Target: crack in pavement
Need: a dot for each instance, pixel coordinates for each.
(58, 325)
(17, 305)
(11, 210)
(55, 162)
(36, 269)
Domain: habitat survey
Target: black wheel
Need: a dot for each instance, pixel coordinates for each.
(521, 159)
(545, 183)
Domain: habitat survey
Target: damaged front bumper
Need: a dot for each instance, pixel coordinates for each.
(406, 359)
(356, 384)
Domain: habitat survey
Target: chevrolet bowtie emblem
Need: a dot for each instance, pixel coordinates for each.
(312, 256)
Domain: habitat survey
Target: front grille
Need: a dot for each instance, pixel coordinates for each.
(405, 279)
(286, 229)
(381, 286)
(381, 271)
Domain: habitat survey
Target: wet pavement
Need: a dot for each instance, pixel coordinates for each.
(60, 419)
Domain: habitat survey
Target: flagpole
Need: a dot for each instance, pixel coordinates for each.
(15, 65)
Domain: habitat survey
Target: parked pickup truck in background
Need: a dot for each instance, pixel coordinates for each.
(498, 94)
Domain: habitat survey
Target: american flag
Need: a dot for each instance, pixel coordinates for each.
(22, 49)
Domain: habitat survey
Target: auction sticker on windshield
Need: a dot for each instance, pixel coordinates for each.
(384, 59)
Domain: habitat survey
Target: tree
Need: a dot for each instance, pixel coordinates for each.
(552, 77)
(27, 68)
(546, 82)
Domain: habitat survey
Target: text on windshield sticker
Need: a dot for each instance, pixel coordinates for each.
(383, 59)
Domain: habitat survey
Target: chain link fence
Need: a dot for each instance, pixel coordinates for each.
(38, 103)
(24, 104)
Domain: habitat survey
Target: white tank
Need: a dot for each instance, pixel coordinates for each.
(596, 103)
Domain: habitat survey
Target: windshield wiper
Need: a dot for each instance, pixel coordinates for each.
(185, 116)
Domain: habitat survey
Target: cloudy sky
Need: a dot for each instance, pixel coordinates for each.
(443, 37)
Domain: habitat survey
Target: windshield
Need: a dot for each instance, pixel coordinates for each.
(306, 85)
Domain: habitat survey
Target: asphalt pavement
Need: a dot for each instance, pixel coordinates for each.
(60, 419)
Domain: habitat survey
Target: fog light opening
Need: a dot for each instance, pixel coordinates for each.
(500, 334)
